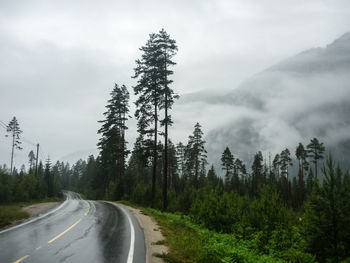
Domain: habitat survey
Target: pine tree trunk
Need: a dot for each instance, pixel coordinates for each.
(165, 183)
(13, 148)
(196, 167)
(155, 153)
(315, 167)
(123, 149)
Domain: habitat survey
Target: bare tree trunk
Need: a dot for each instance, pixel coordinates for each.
(165, 180)
(165, 175)
(13, 148)
(316, 167)
(36, 160)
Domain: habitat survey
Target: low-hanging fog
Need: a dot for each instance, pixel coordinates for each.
(302, 97)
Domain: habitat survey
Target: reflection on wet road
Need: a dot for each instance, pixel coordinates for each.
(77, 231)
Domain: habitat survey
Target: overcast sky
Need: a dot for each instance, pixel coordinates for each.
(59, 59)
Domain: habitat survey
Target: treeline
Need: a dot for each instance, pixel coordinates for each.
(22, 186)
(39, 182)
(279, 217)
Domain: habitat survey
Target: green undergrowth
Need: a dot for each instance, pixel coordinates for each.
(10, 213)
(13, 211)
(189, 242)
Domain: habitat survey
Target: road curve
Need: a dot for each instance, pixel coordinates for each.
(78, 231)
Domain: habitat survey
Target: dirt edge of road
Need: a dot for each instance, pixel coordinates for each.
(38, 209)
(33, 211)
(153, 236)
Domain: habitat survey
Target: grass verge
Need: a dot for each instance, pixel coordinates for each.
(10, 213)
(13, 211)
(189, 243)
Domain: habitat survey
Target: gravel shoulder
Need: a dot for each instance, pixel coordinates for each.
(33, 211)
(38, 209)
(153, 236)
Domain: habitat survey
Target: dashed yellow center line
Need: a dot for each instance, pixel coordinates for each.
(65, 231)
(22, 258)
(87, 212)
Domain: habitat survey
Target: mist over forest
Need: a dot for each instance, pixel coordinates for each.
(304, 96)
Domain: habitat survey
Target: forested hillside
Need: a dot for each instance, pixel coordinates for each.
(298, 98)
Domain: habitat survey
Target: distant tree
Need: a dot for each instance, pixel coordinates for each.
(239, 174)
(285, 162)
(227, 163)
(257, 172)
(212, 177)
(195, 154)
(276, 165)
(180, 155)
(13, 128)
(295, 193)
(301, 155)
(31, 158)
(315, 150)
(309, 181)
(172, 165)
(140, 161)
(240, 168)
(48, 178)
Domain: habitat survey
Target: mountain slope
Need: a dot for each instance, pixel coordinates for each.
(293, 101)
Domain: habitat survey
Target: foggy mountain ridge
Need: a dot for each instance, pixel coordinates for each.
(302, 97)
(332, 58)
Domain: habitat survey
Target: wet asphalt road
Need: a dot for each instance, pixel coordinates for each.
(77, 231)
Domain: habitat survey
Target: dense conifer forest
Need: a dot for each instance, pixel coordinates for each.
(297, 215)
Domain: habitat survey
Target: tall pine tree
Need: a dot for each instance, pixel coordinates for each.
(227, 163)
(285, 162)
(301, 155)
(153, 71)
(195, 154)
(149, 91)
(168, 49)
(112, 143)
(257, 173)
(315, 150)
(13, 128)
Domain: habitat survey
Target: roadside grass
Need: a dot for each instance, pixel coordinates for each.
(10, 213)
(13, 211)
(189, 243)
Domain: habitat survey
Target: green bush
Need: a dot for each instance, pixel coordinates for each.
(264, 224)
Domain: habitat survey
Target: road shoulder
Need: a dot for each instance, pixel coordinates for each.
(153, 236)
(33, 211)
(38, 209)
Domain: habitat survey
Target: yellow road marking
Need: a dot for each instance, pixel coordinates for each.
(65, 231)
(87, 212)
(19, 260)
